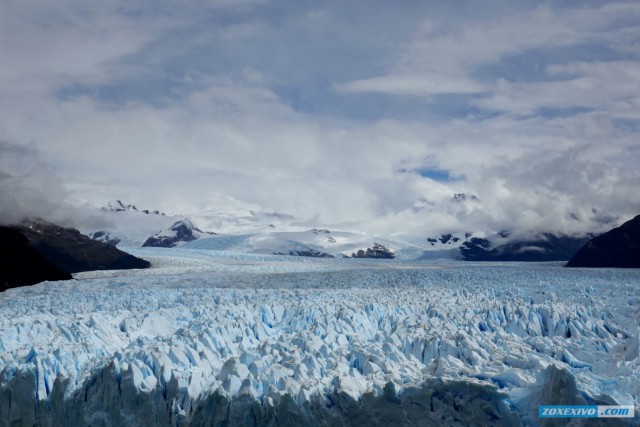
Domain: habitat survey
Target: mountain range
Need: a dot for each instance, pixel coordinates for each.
(255, 231)
(37, 250)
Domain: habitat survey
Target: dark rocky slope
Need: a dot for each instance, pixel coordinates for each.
(618, 248)
(71, 251)
(22, 265)
(546, 247)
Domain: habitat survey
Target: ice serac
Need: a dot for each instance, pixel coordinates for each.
(73, 252)
(112, 397)
(619, 248)
(557, 387)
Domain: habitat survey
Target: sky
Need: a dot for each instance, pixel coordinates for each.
(368, 114)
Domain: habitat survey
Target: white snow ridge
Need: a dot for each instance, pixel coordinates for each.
(213, 338)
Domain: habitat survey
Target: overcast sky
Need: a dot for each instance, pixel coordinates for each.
(367, 112)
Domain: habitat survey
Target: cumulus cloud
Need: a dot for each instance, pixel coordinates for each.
(313, 112)
(231, 139)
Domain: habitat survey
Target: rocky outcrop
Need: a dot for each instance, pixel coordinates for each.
(378, 251)
(444, 239)
(21, 264)
(617, 248)
(307, 253)
(448, 238)
(475, 249)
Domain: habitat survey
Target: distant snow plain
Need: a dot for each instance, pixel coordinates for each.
(210, 337)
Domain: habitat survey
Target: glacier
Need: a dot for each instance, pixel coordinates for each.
(209, 337)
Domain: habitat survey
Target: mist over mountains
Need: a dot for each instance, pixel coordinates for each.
(31, 189)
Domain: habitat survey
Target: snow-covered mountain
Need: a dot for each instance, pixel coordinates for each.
(463, 198)
(130, 226)
(241, 220)
(180, 232)
(313, 243)
(104, 237)
(125, 225)
(247, 229)
(118, 206)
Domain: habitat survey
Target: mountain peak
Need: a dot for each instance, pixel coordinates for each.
(119, 206)
(181, 231)
(462, 198)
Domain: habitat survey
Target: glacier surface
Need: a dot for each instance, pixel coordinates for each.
(210, 337)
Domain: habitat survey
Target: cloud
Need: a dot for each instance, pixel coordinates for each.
(231, 138)
(49, 44)
(27, 186)
(445, 57)
(313, 112)
(604, 87)
(414, 85)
